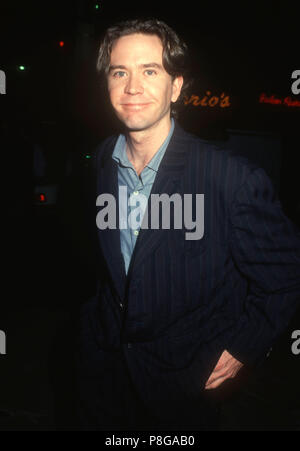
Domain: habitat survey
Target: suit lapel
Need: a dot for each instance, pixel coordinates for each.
(167, 181)
(107, 176)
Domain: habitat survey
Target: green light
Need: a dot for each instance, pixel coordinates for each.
(87, 156)
(22, 68)
(97, 6)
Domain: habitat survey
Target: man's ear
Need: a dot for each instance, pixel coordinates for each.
(176, 88)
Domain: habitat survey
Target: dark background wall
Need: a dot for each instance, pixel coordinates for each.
(53, 115)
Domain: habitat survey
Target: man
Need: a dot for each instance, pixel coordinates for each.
(176, 315)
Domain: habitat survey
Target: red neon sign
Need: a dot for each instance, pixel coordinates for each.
(273, 100)
(208, 100)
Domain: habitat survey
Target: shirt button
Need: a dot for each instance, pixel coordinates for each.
(121, 305)
(129, 345)
(136, 232)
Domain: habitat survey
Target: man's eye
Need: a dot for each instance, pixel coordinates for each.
(150, 72)
(119, 74)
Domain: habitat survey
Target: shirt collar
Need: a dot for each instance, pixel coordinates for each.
(120, 155)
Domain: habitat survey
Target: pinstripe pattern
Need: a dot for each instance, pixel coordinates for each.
(187, 301)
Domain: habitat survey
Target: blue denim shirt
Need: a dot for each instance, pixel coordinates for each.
(142, 184)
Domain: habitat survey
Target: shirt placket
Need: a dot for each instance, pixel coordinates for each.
(138, 189)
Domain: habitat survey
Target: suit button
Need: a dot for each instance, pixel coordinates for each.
(129, 345)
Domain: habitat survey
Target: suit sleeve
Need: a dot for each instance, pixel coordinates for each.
(265, 246)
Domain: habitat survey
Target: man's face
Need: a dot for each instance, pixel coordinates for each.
(140, 89)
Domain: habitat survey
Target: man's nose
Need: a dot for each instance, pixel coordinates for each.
(134, 85)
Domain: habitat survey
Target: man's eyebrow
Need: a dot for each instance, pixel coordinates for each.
(111, 68)
(146, 65)
(158, 66)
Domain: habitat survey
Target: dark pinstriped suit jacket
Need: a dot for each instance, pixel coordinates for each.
(185, 302)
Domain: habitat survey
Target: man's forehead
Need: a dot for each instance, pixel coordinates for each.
(140, 41)
(137, 50)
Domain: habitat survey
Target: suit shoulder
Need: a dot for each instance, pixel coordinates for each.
(106, 145)
(216, 156)
(222, 169)
(104, 149)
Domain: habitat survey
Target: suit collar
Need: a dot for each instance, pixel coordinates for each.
(119, 152)
(172, 158)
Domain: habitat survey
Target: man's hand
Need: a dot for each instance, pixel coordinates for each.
(226, 368)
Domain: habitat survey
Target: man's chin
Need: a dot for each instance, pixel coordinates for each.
(136, 125)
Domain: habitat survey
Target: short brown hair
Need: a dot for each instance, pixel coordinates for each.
(175, 51)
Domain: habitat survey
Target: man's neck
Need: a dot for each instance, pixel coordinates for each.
(143, 145)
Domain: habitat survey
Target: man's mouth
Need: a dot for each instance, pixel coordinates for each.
(134, 106)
